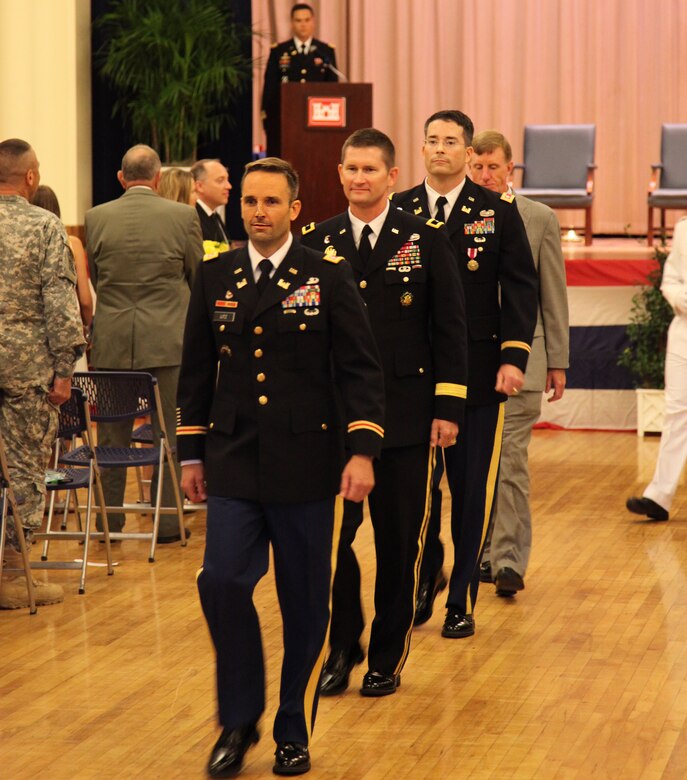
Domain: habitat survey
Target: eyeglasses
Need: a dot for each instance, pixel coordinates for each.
(447, 143)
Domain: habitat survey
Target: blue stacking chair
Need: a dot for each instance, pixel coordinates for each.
(668, 185)
(114, 396)
(559, 168)
(74, 423)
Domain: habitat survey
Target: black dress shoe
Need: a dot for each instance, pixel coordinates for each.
(457, 625)
(337, 669)
(226, 758)
(290, 758)
(647, 507)
(173, 538)
(378, 684)
(508, 582)
(426, 594)
(485, 572)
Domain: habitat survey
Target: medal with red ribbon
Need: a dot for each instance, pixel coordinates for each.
(473, 265)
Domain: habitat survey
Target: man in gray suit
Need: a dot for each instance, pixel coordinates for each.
(506, 556)
(142, 252)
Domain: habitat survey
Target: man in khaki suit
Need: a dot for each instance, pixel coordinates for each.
(505, 558)
(142, 252)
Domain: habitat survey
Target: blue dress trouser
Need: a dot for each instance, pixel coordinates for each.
(236, 557)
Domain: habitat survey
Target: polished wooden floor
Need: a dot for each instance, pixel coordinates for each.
(583, 675)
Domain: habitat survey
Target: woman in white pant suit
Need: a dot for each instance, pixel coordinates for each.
(658, 496)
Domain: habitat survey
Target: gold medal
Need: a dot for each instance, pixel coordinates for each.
(473, 265)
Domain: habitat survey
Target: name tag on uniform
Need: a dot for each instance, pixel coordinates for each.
(224, 316)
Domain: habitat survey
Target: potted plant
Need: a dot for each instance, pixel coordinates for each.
(645, 355)
(176, 66)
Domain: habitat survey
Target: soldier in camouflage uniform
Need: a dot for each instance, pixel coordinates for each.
(42, 337)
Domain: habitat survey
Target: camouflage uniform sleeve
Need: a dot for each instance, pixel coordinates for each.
(60, 305)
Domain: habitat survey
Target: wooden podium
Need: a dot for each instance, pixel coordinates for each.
(316, 118)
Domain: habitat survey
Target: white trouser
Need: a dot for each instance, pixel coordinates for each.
(673, 450)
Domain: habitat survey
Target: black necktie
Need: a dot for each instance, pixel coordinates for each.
(441, 214)
(365, 247)
(303, 49)
(220, 227)
(265, 267)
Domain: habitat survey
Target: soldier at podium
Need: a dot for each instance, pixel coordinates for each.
(301, 58)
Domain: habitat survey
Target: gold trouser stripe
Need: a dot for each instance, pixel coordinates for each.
(420, 549)
(491, 487)
(516, 345)
(314, 681)
(198, 573)
(450, 388)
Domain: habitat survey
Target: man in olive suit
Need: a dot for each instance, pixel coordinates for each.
(507, 550)
(142, 252)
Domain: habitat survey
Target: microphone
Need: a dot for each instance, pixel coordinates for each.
(327, 64)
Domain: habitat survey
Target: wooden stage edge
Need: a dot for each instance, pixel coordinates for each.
(610, 248)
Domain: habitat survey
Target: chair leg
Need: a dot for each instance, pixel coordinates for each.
(158, 502)
(663, 224)
(650, 228)
(169, 458)
(87, 533)
(106, 525)
(48, 524)
(588, 226)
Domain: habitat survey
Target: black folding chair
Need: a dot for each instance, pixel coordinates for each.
(114, 396)
(74, 421)
(8, 503)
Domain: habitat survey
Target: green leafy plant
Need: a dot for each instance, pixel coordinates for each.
(647, 332)
(177, 66)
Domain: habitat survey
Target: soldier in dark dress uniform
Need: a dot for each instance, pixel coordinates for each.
(279, 372)
(302, 58)
(500, 282)
(406, 274)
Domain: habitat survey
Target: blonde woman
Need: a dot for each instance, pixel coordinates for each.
(177, 184)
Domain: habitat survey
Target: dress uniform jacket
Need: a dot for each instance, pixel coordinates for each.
(256, 399)
(285, 64)
(499, 279)
(416, 307)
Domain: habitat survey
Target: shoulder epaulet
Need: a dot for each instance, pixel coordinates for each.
(308, 228)
(332, 259)
(435, 223)
(508, 197)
